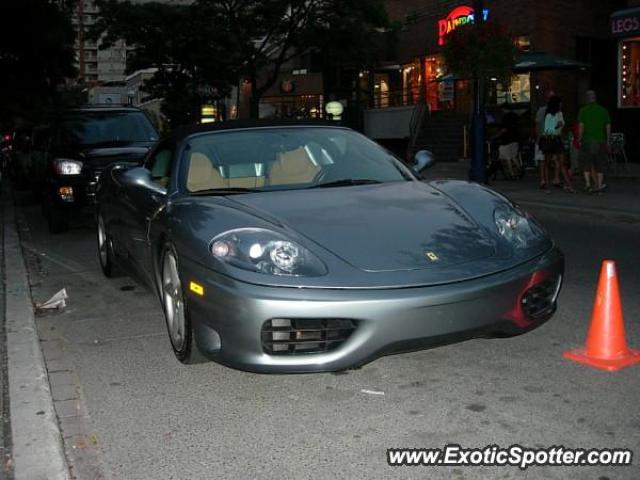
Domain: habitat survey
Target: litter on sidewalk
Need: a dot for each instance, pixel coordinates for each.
(56, 302)
(372, 392)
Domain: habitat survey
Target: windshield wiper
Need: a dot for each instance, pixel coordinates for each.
(225, 191)
(346, 182)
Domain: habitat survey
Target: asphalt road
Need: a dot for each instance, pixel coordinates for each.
(148, 417)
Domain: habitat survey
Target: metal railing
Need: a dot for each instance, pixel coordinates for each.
(395, 98)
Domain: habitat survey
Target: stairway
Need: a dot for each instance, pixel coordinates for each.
(442, 134)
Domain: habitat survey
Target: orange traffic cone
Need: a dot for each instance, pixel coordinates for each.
(606, 346)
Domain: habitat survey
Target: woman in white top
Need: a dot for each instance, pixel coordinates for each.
(554, 147)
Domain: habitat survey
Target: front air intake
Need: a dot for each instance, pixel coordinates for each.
(284, 336)
(540, 300)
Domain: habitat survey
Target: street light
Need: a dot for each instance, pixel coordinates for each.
(334, 110)
(478, 171)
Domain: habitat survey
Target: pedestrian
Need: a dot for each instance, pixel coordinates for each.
(552, 145)
(508, 141)
(594, 140)
(539, 155)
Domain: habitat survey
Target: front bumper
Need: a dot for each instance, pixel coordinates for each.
(229, 317)
(83, 192)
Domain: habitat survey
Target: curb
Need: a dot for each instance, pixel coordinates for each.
(38, 452)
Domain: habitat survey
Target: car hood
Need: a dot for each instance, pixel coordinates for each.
(103, 156)
(106, 156)
(391, 227)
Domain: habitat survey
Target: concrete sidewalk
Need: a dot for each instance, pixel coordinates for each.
(621, 199)
(38, 452)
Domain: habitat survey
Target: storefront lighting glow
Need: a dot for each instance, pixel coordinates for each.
(208, 110)
(458, 17)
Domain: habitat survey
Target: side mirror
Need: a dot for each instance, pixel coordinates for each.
(141, 177)
(422, 161)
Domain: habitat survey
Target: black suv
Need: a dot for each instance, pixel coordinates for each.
(83, 143)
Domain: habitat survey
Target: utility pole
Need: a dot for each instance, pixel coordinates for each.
(478, 171)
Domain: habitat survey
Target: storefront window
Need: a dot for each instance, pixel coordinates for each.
(381, 90)
(518, 92)
(411, 83)
(523, 43)
(629, 73)
(439, 87)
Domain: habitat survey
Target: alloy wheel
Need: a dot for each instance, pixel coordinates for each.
(173, 301)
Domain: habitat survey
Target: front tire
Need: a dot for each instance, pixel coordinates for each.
(105, 250)
(176, 311)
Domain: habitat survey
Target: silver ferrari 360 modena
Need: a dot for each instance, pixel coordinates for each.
(304, 247)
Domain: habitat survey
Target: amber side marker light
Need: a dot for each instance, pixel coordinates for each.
(66, 194)
(196, 288)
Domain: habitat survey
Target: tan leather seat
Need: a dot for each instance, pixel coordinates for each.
(246, 182)
(203, 175)
(292, 167)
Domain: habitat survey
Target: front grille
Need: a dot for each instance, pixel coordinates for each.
(284, 336)
(539, 300)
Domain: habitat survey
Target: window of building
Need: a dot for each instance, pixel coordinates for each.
(629, 73)
(411, 83)
(518, 92)
(523, 43)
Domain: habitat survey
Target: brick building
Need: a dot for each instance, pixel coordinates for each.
(579, 30)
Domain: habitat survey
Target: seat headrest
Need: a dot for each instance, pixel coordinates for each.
(202, 174)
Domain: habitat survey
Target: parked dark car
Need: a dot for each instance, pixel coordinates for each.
(285, 247)
(82, 144)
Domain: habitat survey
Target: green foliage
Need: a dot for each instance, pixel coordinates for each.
(36, 56)
(216, 41)
(188, 44)
(359, 33)
(484, 51)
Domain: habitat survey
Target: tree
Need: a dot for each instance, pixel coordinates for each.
(270, 33)
(35, 59)
(216, 41)
(184, 42)
(480, 52)
(485, 51)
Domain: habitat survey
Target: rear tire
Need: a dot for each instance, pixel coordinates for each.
(105, 250)
(176, 309)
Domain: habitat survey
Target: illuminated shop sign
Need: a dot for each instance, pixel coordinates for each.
(625, 23)
(458, 17)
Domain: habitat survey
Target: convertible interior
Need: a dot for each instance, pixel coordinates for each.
(283, 168)
(273, 160)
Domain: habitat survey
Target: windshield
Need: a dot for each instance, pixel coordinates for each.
(287, 158)
(106, 128)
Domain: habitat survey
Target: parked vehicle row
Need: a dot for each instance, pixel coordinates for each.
(293, 246)
(62, 161)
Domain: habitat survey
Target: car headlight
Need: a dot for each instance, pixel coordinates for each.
(516, 226)
(264, 251)
(65, 166)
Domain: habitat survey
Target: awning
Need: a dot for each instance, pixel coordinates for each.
(450, 77)
(539, 61)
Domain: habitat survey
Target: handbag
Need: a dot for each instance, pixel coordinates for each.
(550, 143)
